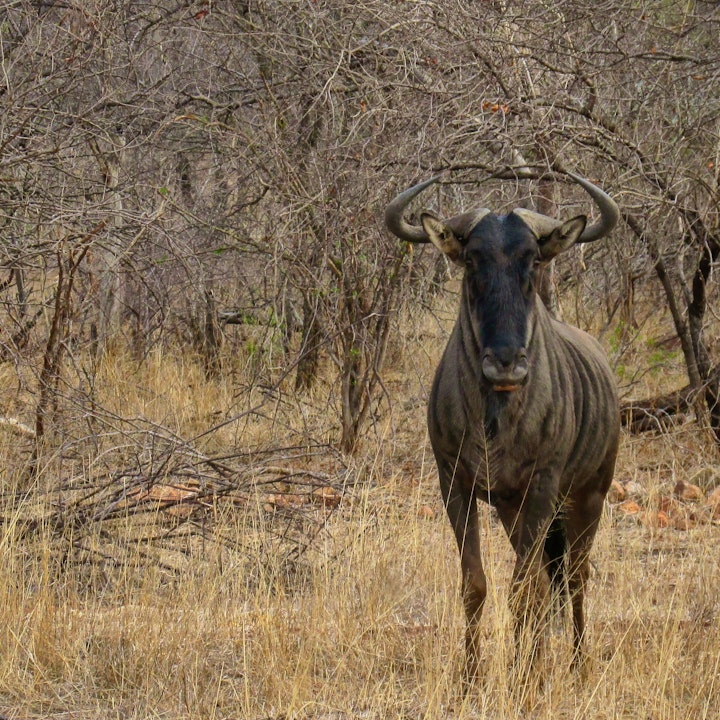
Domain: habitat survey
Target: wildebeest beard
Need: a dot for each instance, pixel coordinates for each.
(495, 403)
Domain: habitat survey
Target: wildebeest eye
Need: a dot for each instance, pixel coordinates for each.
(477, 282)
(527, 279)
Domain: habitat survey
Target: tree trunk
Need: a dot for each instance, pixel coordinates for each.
(309, 360)
(108, 272)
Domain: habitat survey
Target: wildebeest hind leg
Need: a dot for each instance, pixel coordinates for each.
(582, 523)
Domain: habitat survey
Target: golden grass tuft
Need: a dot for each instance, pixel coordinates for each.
(366, 622)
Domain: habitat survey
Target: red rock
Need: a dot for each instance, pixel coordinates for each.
(426, 512)
(629, 507)
(634, 489)
(713, 499)
(616, 493)
(683, 522)
(688, 492)
(667, 504)
(653, 519)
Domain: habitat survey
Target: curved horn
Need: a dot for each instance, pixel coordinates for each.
(397, 225)
(609, 211)
(542, 225)
(394, 214)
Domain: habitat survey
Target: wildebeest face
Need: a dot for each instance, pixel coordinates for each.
(501, 255)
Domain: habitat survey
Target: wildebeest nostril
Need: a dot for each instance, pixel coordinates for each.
(505, 356)
(500, 356)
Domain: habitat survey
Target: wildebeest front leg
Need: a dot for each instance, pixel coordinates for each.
(527, 523)
(461, 506)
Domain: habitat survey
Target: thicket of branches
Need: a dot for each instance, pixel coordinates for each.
(167, 167)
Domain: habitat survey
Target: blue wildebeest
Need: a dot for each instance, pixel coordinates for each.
(523, 412)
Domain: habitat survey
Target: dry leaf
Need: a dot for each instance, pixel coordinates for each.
(327, 496)
(171, 493)
(182, 512)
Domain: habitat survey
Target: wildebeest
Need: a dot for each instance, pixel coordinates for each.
(523, 411)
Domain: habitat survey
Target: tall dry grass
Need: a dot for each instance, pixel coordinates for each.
(366, 621)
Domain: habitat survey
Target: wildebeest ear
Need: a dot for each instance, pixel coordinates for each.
(562, 237)
(441, 236)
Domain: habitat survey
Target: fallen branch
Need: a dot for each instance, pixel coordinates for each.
(17, 426)
(657, 413)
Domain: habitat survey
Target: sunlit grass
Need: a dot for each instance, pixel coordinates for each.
(369, 622)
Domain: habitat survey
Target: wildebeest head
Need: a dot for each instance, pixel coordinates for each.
(500, 254)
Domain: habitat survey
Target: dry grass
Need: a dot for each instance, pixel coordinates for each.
(364, 623)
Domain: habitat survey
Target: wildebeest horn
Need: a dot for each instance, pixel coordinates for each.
(395, 218)
(609, 211)
(397, 225)
(542, 225)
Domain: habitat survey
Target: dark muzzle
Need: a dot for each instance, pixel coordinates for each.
(505, 368)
